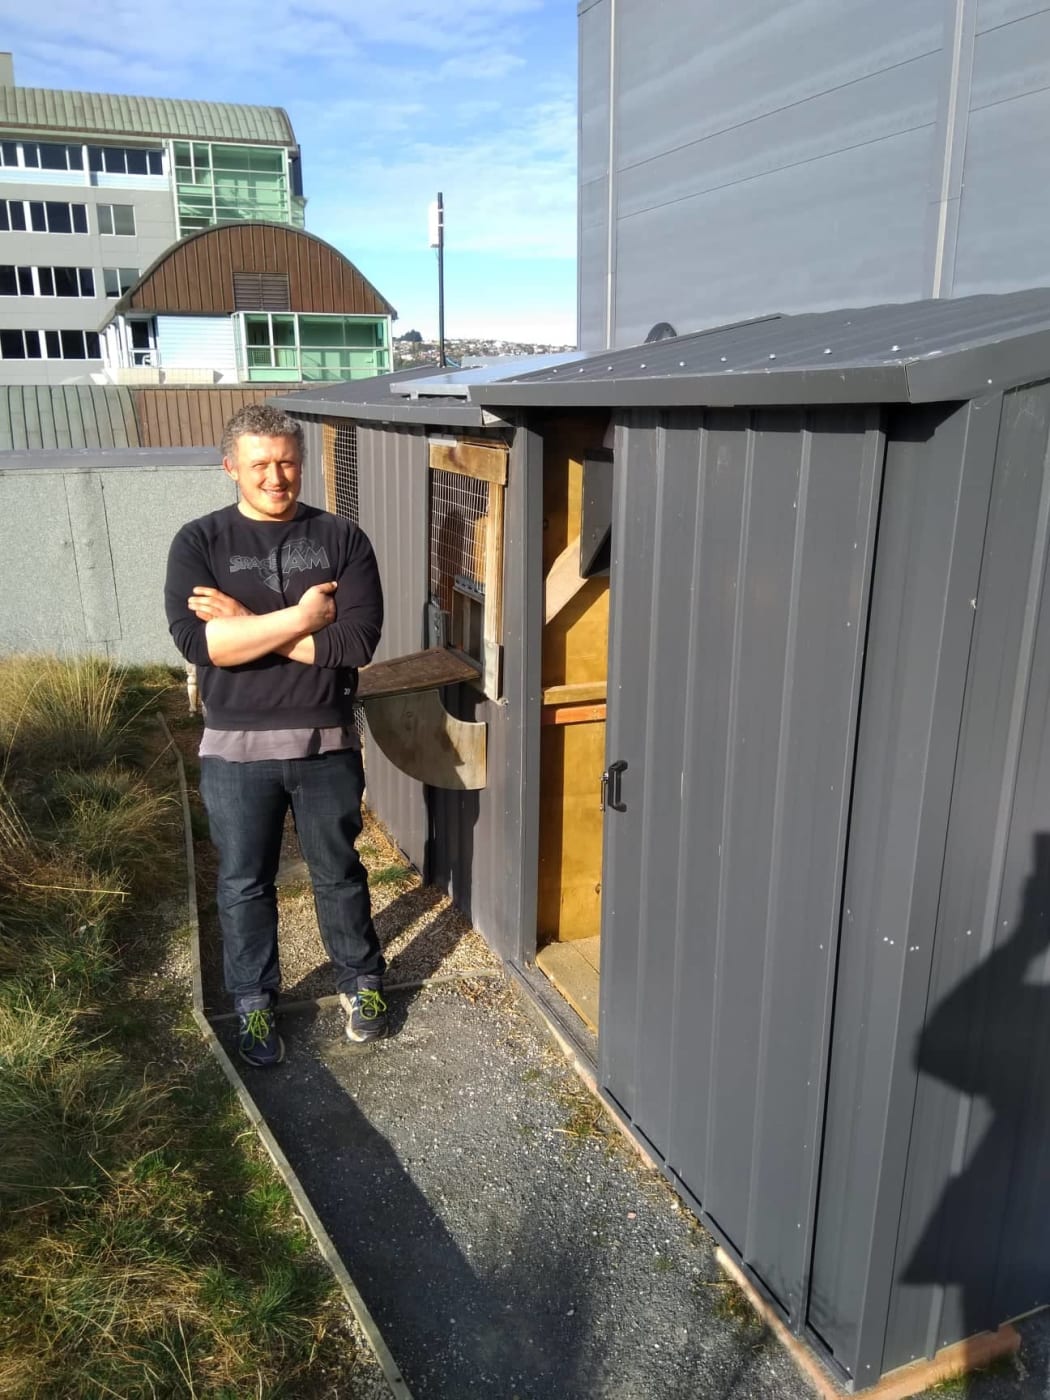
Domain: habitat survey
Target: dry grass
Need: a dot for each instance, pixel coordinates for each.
(147, 1247)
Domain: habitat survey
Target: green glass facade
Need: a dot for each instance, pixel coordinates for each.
(288, 346)
(216, 184)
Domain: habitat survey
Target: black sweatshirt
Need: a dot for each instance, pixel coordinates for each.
(268, 565)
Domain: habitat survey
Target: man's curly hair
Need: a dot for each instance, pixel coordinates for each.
(260, 421)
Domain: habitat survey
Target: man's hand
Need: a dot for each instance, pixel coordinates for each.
(207, 603)
(317, 606)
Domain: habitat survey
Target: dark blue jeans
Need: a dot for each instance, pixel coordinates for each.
(246, 804)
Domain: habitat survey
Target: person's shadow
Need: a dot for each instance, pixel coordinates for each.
(987, 1242)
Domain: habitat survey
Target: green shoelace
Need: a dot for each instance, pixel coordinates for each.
(371, 1004)
(257, 1027)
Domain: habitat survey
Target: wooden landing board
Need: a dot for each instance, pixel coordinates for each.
(419, 670)
(573, 969)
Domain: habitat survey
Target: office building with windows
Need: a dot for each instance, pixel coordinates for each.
(94, 188)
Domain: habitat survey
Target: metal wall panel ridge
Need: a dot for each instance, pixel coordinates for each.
(392, 486)
(934, 508)
(742, 550)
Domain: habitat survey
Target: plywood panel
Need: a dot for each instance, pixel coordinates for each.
(572, 757)
(576, 641)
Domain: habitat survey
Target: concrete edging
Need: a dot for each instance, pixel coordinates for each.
(392, 1375)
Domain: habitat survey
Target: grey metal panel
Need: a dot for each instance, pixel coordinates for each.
(742, 545)
(593, 173)
(871, 109)
(313, 492)
(993, 13)
(392, 490)
(1006, 191)
(935, 494)
(980, 1133)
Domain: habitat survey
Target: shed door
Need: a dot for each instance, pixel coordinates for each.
(741, 557)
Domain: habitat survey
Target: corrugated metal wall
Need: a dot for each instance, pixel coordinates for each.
(932, 1219)
(392, 485)
(800, 157)
(194, 416)
(44, 416)
(741, 553)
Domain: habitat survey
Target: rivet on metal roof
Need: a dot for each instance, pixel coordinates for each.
(827, 350)
(681, 364)
(894, 347)
(642, 365)
(608, 368)
(580, 370)
(723, 359)
(772, 357)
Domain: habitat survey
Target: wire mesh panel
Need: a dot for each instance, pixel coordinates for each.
(459, 522)
(347, 502)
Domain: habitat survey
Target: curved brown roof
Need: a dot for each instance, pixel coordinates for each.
(195, 275)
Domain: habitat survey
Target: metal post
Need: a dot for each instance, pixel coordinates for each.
(441, 279)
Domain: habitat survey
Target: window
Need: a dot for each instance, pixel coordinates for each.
(125, 160)
(116, 218)
(48, 155)
(222, 184)
(71, 345)
(47, 281)
(42, 216)
(19, 345)
(467, 482)
(118, 280)
(289, 346)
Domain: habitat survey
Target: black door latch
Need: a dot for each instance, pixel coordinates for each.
(611, 787)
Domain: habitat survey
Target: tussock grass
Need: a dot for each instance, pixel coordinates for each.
(147, 1247)
(57, 713)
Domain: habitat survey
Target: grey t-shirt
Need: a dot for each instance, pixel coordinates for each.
(250, 745)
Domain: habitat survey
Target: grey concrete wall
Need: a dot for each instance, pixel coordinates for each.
(85, 549)
(764, 157)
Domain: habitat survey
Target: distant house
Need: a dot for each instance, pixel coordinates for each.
(248, 303)
(94, 187)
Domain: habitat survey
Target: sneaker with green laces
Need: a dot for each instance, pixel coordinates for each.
(365, 1013)
(257, 1040)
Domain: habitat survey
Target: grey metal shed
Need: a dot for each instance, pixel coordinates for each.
(825, 883)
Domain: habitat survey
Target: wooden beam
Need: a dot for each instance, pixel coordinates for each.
(563, 582)
(577, 694)
(572, 714)
(482, 461)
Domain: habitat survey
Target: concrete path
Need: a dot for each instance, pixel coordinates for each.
(506, 1238)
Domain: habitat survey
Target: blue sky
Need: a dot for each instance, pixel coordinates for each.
(391, 100)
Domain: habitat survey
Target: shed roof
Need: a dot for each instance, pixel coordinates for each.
(36, 417)
(112, 114)
(376, 399)
(915, 352)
